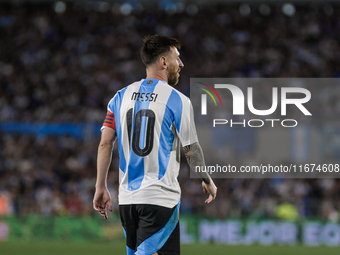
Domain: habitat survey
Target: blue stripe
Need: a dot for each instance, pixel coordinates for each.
(142, 133)
(156, 241)
(173, 113)
(129, 251)
(136, 163)
(166, 140)
(114, 107)
(176, 101)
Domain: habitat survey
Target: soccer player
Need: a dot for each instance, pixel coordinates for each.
(148, 118)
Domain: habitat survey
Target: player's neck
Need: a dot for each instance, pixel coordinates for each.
(157, 75)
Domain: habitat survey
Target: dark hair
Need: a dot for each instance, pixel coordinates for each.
(156, 45)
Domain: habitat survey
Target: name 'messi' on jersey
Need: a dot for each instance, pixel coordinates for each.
(144, 97)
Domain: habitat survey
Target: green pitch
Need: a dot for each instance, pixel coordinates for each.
(58, 248)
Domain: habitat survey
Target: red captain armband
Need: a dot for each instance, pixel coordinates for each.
(110, 120)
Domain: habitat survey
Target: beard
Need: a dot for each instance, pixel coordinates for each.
(173, 77)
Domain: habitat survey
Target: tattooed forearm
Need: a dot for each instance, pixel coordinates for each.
(194, 156)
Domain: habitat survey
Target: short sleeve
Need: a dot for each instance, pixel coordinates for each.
(109, 121)
(184, 122)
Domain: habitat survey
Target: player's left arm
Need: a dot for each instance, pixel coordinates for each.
(192, 149)
(194, 156)
(102, 195)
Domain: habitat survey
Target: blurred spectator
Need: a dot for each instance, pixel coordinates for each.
(66, 67)
(68, 189)
(5, 203)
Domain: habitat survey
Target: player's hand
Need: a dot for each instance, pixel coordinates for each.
(100, 200)
(211, 189)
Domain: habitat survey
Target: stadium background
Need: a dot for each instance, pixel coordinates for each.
(61, 62)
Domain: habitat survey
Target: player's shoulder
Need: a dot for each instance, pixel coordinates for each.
(117, 99)
(177, 101)
(179, 94)
(121, 92)
(132, 85)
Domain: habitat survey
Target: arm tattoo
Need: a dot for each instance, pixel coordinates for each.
(194, 156)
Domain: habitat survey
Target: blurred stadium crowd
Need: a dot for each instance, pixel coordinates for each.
(65, 67)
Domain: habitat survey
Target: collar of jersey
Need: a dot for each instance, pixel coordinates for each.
(155, 81)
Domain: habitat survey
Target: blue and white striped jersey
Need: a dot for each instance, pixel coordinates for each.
(150, 117)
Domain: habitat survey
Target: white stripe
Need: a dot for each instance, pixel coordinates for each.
(151, 166)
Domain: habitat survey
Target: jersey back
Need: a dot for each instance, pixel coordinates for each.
(150, 118)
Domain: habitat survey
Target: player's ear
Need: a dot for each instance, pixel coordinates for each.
(163, 62)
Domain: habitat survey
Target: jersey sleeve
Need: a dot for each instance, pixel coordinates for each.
(109, 121)
(184, 122)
